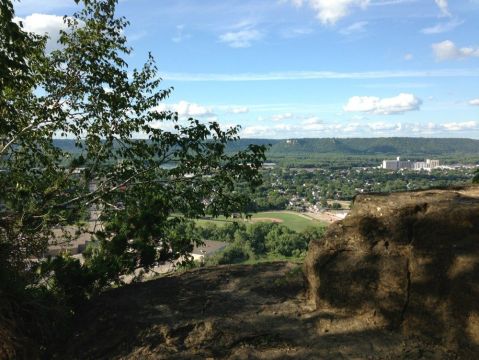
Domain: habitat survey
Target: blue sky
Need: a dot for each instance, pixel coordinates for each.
(307, 68)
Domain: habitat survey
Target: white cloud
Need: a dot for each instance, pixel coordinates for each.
(257, 131)
(474, 102)
(186, 109)
(44, 24)
(387, 106)
(444, 7)
(281, 117)
(442, 27)
(357, 27)
(384, 126)
(241, 39)
(316, 128)
(312, 75)
(408, 56)
(447, 50)
(460, 126)
(329, 12)
(313, 129)
(238, 110)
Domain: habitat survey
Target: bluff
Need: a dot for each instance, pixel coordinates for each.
(407, 262)
(396, 279)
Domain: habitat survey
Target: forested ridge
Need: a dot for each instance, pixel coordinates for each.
(394, 146)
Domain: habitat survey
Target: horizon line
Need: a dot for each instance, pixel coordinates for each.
(329, 137)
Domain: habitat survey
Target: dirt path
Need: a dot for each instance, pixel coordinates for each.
(229, 312)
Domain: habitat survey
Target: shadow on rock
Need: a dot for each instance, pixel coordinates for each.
(409, 260)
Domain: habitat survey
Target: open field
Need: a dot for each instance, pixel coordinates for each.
(295, 221)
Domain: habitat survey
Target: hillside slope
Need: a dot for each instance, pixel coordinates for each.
(378, 146)
(230, 312)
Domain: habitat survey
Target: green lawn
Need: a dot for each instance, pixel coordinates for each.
(294, 221)
(219, 221)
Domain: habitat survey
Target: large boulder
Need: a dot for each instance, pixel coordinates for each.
(405, 261)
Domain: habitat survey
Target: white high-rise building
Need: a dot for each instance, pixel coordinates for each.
(398, 164)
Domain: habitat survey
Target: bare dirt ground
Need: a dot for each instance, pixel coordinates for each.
(327, 216)
(230, 312)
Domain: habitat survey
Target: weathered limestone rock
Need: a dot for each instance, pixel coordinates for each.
(409, 260)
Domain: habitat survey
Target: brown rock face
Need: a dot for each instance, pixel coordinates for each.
(405, 261)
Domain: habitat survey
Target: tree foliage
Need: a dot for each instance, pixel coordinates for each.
(146, 171)
(475, 179)
(256, 241)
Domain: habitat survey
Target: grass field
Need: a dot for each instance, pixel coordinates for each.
(295, 221)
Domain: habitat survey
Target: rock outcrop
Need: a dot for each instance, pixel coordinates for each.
(404, 261)
(231, 312)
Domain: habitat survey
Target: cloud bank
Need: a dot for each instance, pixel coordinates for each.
(316, 129)
(386, 106)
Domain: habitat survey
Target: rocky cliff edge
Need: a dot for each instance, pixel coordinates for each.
(408, 262)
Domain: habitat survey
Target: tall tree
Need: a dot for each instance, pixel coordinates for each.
(147, 170)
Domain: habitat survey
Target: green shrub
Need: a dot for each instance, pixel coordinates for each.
(234, 254)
